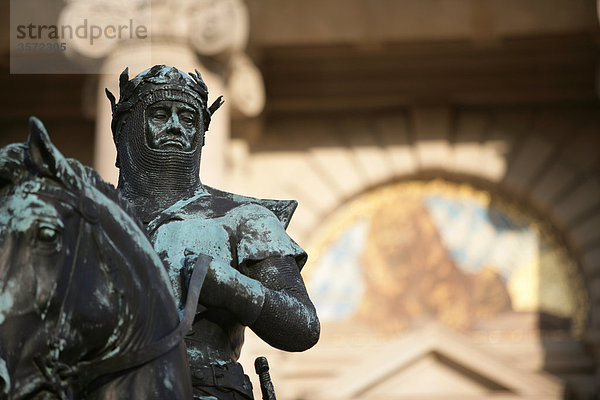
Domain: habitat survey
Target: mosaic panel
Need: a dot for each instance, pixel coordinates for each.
(414, 251)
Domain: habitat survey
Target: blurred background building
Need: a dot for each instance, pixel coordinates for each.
(445, 154)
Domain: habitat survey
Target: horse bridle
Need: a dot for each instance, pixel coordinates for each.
(86, 372)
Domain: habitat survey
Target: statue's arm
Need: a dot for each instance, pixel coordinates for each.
(288, 319)
(270, 298)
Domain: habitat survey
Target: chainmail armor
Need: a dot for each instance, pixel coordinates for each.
(285, 285)
(152, 178)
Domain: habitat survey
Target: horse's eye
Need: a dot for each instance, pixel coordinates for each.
(47, 233)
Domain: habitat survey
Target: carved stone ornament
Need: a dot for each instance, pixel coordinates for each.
(94, 29)
(246, 86)
(212, 28)
(218, 27)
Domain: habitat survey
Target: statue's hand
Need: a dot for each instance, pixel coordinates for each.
(216, 281)
(220, 279)
(225, 287)
(192, 260)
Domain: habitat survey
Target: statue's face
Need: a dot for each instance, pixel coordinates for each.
(171, 125)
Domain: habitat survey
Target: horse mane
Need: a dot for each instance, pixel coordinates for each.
(14, 168)
(12, 164)
(92, 178)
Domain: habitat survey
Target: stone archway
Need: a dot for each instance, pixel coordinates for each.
(546, 156)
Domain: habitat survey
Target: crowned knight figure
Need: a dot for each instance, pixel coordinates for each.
(253, 277)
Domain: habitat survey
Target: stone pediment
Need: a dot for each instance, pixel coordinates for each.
(433, 362)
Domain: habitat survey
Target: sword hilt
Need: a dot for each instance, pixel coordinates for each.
(261, 366)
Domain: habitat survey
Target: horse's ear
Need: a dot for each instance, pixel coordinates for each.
(44, 157)
(39, 148)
